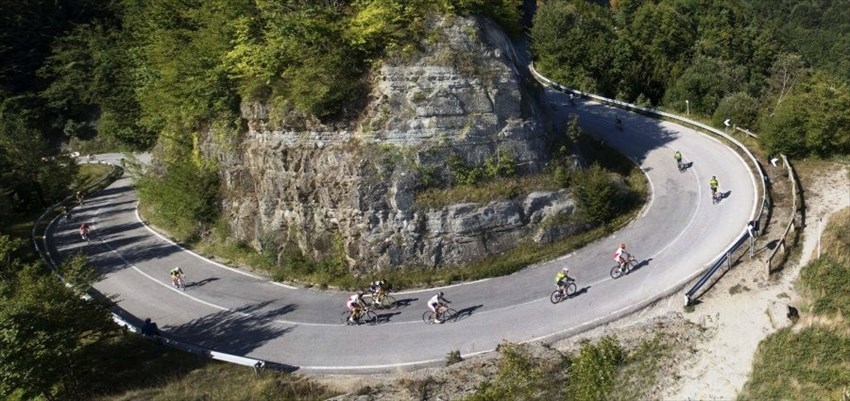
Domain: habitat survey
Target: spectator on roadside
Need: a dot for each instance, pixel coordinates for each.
(150, 329)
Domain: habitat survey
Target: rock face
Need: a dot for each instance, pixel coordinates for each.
(349, 190)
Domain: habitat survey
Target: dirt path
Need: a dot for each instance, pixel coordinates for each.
(744, 307)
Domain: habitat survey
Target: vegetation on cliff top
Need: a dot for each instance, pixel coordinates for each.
(785, 77)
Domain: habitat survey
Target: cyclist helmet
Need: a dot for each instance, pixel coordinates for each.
(440, 294)
(566, 270)
(713, 177)
(623, 245)
(359, 292)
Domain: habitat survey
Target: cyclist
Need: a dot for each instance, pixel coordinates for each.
(84, 231)
(355, 305)
(436, 303)
(562, 278)
(80, 198)
(621, 256)
(678, 157)
(177, 277)
(67, 212)
(713, 184)
(619, 123)
(378, 289)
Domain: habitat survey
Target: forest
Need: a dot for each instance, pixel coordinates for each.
(115, 75)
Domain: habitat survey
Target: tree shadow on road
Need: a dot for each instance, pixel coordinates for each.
(235, 332)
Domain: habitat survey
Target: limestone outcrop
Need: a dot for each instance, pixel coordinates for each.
(350, 188)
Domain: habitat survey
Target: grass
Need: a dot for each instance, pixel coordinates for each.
(812, 362)
(642, 369)
(502, 188)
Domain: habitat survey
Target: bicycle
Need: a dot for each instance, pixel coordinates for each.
(361, 316)
(681, 165)
(444, 314)
(383, 301)
(617, 271)
(564, 291)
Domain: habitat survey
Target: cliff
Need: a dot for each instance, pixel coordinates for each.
(350, 187)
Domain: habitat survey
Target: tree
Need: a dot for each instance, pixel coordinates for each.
(33, 177)
(45, 329)
(740, 107)
(596, 195)
(703, 84)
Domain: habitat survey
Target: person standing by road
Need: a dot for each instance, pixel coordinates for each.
(150, 328)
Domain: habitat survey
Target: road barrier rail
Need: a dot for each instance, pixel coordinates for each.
(118, 314)
(750, 229)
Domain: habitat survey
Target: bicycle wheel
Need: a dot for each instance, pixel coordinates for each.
(633, 262)
(368, 300)
(448, 315)
(616, 272)
(343, 317)
(388, 302)
(571, 289)
(428, 317)
(369, 317)
(556, 296)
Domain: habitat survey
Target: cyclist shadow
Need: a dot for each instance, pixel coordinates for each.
(386, 317)
(466, 312)
(724, 195)
(405, 302)
(580, 291)
(201, 283)
(686, 166)
(639, 265)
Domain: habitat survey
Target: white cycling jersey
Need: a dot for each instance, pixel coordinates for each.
(433, 302)
(353, 301)
(620, 253)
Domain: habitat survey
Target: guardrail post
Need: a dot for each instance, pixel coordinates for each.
(729, 260)
(782, 245)
(258, 367)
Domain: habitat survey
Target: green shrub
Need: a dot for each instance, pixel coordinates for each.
(182, 199)
(596, 194)
(593, 371)
(520, 377)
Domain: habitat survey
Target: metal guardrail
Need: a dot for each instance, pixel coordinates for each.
(792, 225)
(749, 228)
(44, 252)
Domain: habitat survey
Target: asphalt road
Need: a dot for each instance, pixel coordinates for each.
(678, 234)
